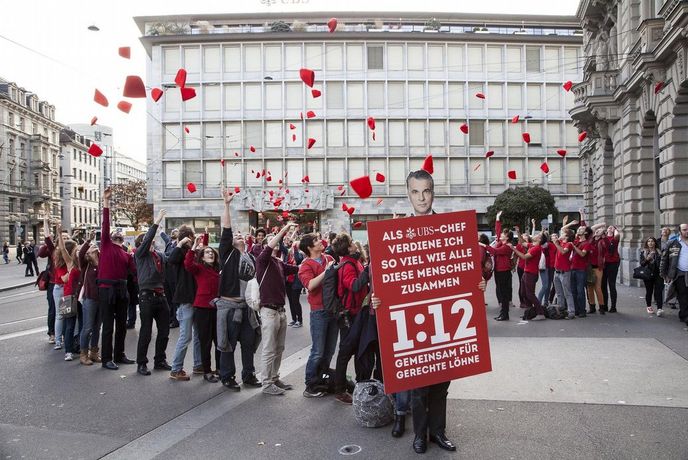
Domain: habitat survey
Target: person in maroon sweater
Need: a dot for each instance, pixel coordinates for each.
(113, 266)
(204, 265)
(46, 250)
(611, 268)
(270, 271)
(530, 275)
(90, 332)
(502, 253)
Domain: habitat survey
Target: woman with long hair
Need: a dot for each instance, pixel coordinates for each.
(531, 258)
(524, 243)
(502, 252)
(66, 257)
(650, 257)
(598, 253)
(611, 268)
(203, 263)
(90, 331)
(61, 273)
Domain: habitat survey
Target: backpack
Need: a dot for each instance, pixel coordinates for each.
(330, 284)
(487, 265)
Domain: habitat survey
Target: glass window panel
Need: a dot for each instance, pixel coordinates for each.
(273, 134)
(314, 56)
(289, 133)
(211, 59)
(379, 141)
(555, 172)
(274, 169)
(553, 134)
(514, 61)
(476, 133)
(376, 95)
(497, 173)
(172, 137)
(552, 97)
(436, 58)
(533, 59)
(416, 95)
(571, 135)
(455, 95)
(397, 171)
(252, 168)
(213, 135)
(315, 102)
(172, 101)
(377, 165)
(551, 60)
(314, 129)
(354, 95)
(534, 171)
(397, 136)
(494, 58)
(233, 136)
(473, 101)
(232, 97)
(395, 57)
(514, 134)
(334, 57)
(535, 131)
(295, 172)
(193, 172)
(571, 64)
(436, 95)
(192, 60)
(232, 61)
(171, 60)
(173, 175)
(477, 171)
(375, 57)
(192, 139)
(252, 96)
(475, 58)
(356, 133)
(457, 169)
(294, 96)
(193, 105)
(495, 96)
(417, 133)
(213, 174)
(514, 97)
(273, 96)
(335, 133)
(315, 170)
(253, 134)
(495, 133)
(211, 97)
(455, 58)
(252, 58)
(534, 97)
(415, 57)
(335, 171)
(292, 57)
(396, 93)
(456, 137)
(356, 168)
(516, 164)
(335, 95)
(273, 58)
(436, 133)
(354, 57)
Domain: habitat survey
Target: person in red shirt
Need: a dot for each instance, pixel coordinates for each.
(562, 271)
(547, 275)
(203, 263)
(530, 275)
(611, 268)
(502, 253)
(596, 258)
(66, 283)
(579, 265)
(524, 242)
(46, 250)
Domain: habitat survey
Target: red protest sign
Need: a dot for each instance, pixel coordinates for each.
(432, 324)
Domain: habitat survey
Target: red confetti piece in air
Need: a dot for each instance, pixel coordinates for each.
(477, 166)
(480, 95)
(252, 149)
(526, 138)
(305, 179)
(237, 190)
(134, 87)
(351, 210)
(236, 154)
(379, 177)
(428, 164)
(489, 153)
(222, 162)
(307, 76)
(292, 126)
(344, 207)
(156, 94)
(582, 136)
(561, 153)
(316, 93)
(311, 142)
(310, 114)
(186, 128)
(125, 52)
(332, 24)
(94, 120)
(515, 119)
(191, 187)
(567, 86)
(373, 135)
(187, 93)
(659, 86)
(464, 128)
(293, 137)
(379, 201)
(180, 78)
(124, 106)
(511, 174)
(362, 186)
(95, 150)
(358, 224)
(371, 123)
(100, 98)
(545, 168)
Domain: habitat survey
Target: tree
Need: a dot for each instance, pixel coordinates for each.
(521, 204)
(129, 202)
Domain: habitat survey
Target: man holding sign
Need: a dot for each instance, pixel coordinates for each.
(427, 278)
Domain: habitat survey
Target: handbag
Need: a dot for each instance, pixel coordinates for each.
(43, 280)
(253, 292)
(643, 272)
(68, 306)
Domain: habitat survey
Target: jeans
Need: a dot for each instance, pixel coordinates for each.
(274, 333)
(91, 329)
(348, 346)
(51, 309)
(324, 332)
(294, 296)
(69, 325)
(429, 407)
(58, 293)
(611, 270)
(153, 307)
(562, 284)
(247, 338)
(187, 331)
(402, 401)
(578, 281)
(546, 278)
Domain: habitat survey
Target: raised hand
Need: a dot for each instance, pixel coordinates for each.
(161, 216)
(227, 196)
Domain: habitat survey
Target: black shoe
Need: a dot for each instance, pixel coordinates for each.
(252, 382)
(131, 325)
(110, 365)
(399, 426)
(420, 445)
(174, 324)
(143, 369)
(124, 360)
(612, 310)
(231, 384)
(502, 318)
(591, 310)
(162, 366)
(442, 441)
(210, 378)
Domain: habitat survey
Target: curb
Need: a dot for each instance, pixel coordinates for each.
(16, 286)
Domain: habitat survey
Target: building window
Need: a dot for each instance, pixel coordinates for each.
(475, 58)
(253, 134)
(171, 62)
(436, 95)
(11, 204)
(551, 60)
(417, 133)
(314, 57)
(436, 58)
(376, 95)
(397, 137)
(416, 95)
(436, 133)
(396, 95)
(335, 134)
(495, 96)
(514, 97)
(534, 97)
(315, 170)
(533, 59)
(494, 59)
(476, 135)
(334, 57)
(375, 58)
(192, 172)
(335, 95)
(252, 97)
(192, 60)
(211, 59)
(292, 57)
(455, 58)
(232, 61)
(495, 133)
(273, 96)
(273, 134)
(252, 58)
(354, 95)
(273, 58)
(173, 175)
(356, 133)
(397, 171)
(211, 97)
(415, 57)
(354, 57)
(294, 96)
(395, 57)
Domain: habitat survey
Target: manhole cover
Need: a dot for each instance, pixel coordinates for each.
(352, 449)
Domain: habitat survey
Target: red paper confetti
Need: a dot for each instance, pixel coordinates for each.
(362, 186)
(134, 87)
(186, 128)
(373, 135)
(307, 76)
(125, 52)
(511, 174)
(489, 153)
(236, 154)
(480, 95)
(379, 201)
(293, 137)
(358, 224)
(124, 106)
(310, 114)
(188, 93)
(464, 128)
(95, 150)
(222, 162)
(567, 86)
(379, 177)
(285, 214)
(332, 24)
(351, 210)
(316, 93)
(344, 207)
(191, 187)
(100, 98)
(311, 142)
(292, 126)
(545, 168)
(305, 179)
(582, 136)
(258, 175)
(180, 78)
(237, 190)
(515, 119)
(561, 152)
(477, 166)
(428, 165)
(526, 138)
(252, 149)
(156, 94)
(659, 86)
(94, 120)
(371, 123)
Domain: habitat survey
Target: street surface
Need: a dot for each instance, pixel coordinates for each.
(604, 387)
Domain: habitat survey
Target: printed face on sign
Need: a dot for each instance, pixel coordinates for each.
(421, 195)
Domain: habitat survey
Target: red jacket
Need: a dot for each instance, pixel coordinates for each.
(308, 270)
(207, 281)
(348, 273)
(502, 256)
(114, 263)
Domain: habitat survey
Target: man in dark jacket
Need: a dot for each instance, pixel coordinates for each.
(150, 270)
(170, 276)
(674, 267)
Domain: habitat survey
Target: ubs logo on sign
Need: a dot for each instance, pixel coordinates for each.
(284, 2)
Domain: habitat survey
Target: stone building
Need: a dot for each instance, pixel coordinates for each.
(633, 104)
(80, 183)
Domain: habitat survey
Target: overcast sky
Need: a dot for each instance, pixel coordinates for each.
(77, 60)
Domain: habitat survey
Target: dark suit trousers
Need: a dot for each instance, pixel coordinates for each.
(429, 407)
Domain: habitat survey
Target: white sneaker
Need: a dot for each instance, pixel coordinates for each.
(58, 346)
(69, 357)
(660, 312)
(539, 318)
